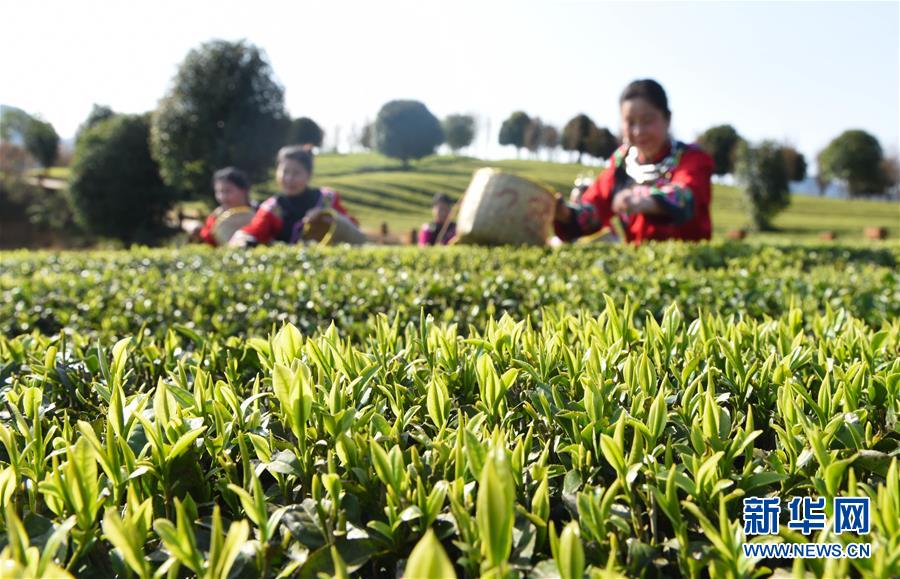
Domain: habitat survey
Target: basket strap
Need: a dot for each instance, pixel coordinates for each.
(327, 237)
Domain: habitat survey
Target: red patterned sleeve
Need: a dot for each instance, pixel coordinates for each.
(265, 224)
(694, 173)
(205, 234)
(595, 209)
(686, 197)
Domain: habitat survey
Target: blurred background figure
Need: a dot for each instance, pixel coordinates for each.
(658, 187)
(441, 230)
(282, 217)
(232, 190)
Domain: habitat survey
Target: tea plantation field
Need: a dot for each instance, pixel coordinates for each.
(459, 412)
(377, 189)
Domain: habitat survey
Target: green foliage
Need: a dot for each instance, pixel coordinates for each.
(108, 294)
(570, 556)
(459, 131)
(765, 178)
(224, 108)
(115, 188)
(532, 137)
(214, 455)
(582, 135)
(539, 135)
(13, 123)
(795, 163)
(855, 157)
(601, 143)
(513, 129)
(305, 131)
(365, 136)
(495, 512)
(429, 560)
(576, 133)
(549, 137)
(41, 141)
(45, 211)
(721, 143)
(406, 130)
(98, 113)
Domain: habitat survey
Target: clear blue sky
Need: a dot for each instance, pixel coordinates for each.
(795, 71)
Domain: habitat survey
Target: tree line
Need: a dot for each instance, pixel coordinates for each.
(854, 158)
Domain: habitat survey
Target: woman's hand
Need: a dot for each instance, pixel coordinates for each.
(621, 202)
(561, 211)
(636, 200)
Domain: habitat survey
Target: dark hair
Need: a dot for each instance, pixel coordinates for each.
(441, 198)
(649, 90)
(234, 176)
(299, 153)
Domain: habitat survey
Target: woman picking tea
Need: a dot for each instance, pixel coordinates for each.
(659, 187)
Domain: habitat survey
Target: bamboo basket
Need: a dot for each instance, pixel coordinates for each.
(331, 228)
(230, 222)
(503, 209)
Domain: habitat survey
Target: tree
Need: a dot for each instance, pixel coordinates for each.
(532, 137)
(512, 131)
(800, 168)
(890, 171)
(224, 108)
(13, 123)
(116, 189)
(601, 143)
(407, 130)
(764, 175)
(98, 113)
(365, 136)
(720, 142)
(42, 142)
(549, 137)
(459, 130)
(795, 163)
(305, 131)
(855, 157)
(577, 134)
(822, 183)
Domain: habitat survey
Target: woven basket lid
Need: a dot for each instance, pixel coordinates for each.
(230, 221)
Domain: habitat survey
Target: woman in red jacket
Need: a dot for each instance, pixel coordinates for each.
(232, 190)
(659, 187)
(282, 217)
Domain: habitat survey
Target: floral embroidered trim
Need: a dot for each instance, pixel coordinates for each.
(679, 201)
(586, 218)
(327, 198)
(663, 170)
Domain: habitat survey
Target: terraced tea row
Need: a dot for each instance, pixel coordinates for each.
(113, 294)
